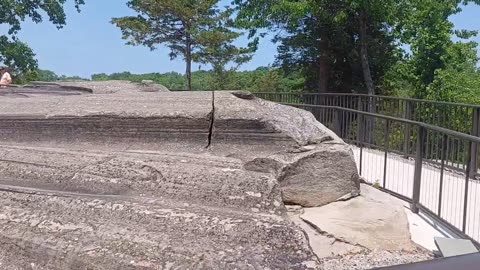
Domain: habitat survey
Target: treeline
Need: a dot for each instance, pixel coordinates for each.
(262, 79)
(323, 45)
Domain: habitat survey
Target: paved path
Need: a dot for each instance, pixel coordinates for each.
(400, 180)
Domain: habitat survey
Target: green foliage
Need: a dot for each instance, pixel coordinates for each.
(320, 38)
(196, 30)
(14, 53)
(459, 80)
(427, 30)
(13, 12)
(46, 76)
(262, 79)
(17, 55)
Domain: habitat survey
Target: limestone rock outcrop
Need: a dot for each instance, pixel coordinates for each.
(173, 180)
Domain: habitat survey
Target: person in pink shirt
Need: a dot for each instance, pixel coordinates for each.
(6, 79)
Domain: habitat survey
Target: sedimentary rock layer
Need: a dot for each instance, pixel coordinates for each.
(162, 181)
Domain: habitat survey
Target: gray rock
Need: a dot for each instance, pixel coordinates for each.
(117, 86)
(65, 231)
(360, 221)
(265, 121)
(203, 179)
(243, 95)
(312, 178)
(125, 179)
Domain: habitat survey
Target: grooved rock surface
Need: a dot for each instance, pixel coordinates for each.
(78, 232)
(152, 180)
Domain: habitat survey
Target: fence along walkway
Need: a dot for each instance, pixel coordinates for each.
(428, 166)
(464, 118)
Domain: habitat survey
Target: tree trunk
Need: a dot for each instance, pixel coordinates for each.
(188, 60)
(367, 75)
(323, 65)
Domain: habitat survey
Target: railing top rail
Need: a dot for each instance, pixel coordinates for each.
(379, 96)
(391, 118)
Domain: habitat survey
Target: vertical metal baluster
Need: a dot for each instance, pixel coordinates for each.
(475, 132)
(467, 180)
(386, 146)
(417, 178)
(442, 170)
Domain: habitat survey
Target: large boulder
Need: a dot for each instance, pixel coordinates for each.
(147, 180)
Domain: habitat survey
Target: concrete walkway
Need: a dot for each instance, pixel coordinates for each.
(400, 171)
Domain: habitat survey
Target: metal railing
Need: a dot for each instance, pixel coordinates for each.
(434, 176)
(454, 116)
(464, 118)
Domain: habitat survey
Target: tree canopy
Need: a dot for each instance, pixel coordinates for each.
(359, 45)
(14, 53)
(196, 30)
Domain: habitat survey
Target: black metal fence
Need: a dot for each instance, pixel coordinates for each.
(455, 116)
(434, 175)
(464, 118)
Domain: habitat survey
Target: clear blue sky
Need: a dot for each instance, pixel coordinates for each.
(90, 44)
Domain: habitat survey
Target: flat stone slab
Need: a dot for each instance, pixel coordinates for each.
(322, 245)
(373, 220)
(454, 247)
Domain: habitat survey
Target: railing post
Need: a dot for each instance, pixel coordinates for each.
(407, 115)
(370, 123)
(417, 175)
(360, 138)
(338, 122)
(467, 181)
(386, 143)
(360, 104)
(360, 128)
(474, 148)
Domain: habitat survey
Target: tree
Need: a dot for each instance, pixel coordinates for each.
(17, 55)
(220, 52)
(46, 75)
(196, 30)
(13, 52)
(328, 40)
(427, 30)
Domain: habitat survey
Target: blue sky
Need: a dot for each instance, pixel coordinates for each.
(90, 44)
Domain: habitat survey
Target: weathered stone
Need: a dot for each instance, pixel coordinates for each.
(313, 178)
(117, 86)
(319, 177)
(203, 179)
(202, 162)
(240, 121)
(92, 232)
(323, 245)
(150, 121)
(243, 95)
(374, 220)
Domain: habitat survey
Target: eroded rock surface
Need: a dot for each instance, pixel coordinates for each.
(86, 232)
(149, 180)
(365, 232)
(374, 220)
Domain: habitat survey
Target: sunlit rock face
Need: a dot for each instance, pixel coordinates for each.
(132, 179)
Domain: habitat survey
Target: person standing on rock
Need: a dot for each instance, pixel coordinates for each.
(6, 79)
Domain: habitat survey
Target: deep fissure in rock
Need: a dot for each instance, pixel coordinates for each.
(212, 120)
